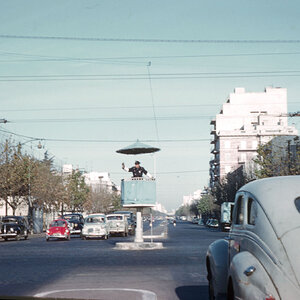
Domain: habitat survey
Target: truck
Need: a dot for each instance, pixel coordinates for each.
(226, 215)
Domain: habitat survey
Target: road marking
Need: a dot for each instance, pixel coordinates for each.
(146, 295)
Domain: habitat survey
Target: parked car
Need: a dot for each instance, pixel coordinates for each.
(95, 226)
(195, 220)
(200, 222)
(214, 223)
(58, 229)
(75, 221)
(260, 258)
(117, 224)
(14, 227)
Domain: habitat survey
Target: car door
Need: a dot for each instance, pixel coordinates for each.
(238, 226)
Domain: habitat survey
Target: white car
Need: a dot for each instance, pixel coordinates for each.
(118, 224)
(95, 226)
(260, 258)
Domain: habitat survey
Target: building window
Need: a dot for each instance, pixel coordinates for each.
(243, 145)
(227, 145)
(227, 157)
(243, 158)
(254, 144)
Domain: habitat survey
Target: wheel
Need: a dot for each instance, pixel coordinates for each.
(47, 239)
(106, 237)
(5, 239)
(230, 291)
(17, 237)
(25, 235)
(126, 233)
(123, 234)
(69, 237)
(83, 237)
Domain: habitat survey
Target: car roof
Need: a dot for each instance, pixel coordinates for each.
(276, 195)
(120, 215)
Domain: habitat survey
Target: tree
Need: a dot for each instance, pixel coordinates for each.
(78, 191)
(276, 158)
(206, 205)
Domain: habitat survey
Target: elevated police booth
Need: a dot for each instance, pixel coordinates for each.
(138, 192)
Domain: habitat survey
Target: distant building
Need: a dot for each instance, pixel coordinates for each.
(190, 199)
(100, 181)
(245, 121)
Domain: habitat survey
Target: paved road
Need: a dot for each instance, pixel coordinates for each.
(93, 269)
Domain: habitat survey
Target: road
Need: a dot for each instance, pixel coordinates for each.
(94, 269)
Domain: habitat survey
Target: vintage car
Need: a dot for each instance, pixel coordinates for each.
(117, 224)
(131, 220)
(14, 227)
(58, 229)
(75, 221)
(260, 257)
(95, 226)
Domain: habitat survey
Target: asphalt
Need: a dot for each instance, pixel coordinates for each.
(93, 269)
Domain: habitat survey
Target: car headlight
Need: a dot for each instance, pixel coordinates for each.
(11, 229)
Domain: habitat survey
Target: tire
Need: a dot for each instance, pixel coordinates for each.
(106, 237)
(123, 234)
(17, 237)
(83, 237)
(47, 239)
(68, 238)
(230, 290)
(5, 239)
(25, 235)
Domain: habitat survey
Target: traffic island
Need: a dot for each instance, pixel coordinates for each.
(139, 246)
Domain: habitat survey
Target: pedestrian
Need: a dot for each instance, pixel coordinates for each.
(137, 170)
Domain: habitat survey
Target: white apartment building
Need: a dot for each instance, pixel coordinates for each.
(100, 181)
(245, 121)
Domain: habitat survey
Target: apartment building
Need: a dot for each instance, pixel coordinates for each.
(246, 120)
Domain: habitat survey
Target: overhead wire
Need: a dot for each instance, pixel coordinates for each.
(149, 40)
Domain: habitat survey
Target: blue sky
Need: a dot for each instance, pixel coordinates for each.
(25, 102)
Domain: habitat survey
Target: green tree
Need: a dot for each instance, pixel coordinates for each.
(78, 191)
(206, 205)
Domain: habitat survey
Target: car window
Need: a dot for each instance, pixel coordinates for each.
(297, 204)
(239, 215)
(251, 211)
(58, 224)
(110, 218)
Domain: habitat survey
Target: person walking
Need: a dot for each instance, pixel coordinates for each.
(137, 170)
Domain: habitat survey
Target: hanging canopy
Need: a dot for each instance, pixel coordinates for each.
(138, 148)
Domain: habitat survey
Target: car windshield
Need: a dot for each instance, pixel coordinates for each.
(114, 218)
(10, 220)
(71, 217)
(58, 224)
(94, 219)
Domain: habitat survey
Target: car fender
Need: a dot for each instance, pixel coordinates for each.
(217, 265)
(249, 279)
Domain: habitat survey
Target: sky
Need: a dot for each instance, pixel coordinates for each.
(110, 91)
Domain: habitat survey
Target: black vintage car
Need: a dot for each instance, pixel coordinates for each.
(14, 227)
(76, 222)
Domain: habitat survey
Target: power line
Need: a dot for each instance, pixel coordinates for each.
(152, 101)
(162, 76)
(48, 58)
(120, 119)
(122, 107)
(145, 40)
(101, 141)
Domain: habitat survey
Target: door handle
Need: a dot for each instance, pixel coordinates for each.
(249, 271)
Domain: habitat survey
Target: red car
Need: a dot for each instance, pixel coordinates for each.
(59, 229)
